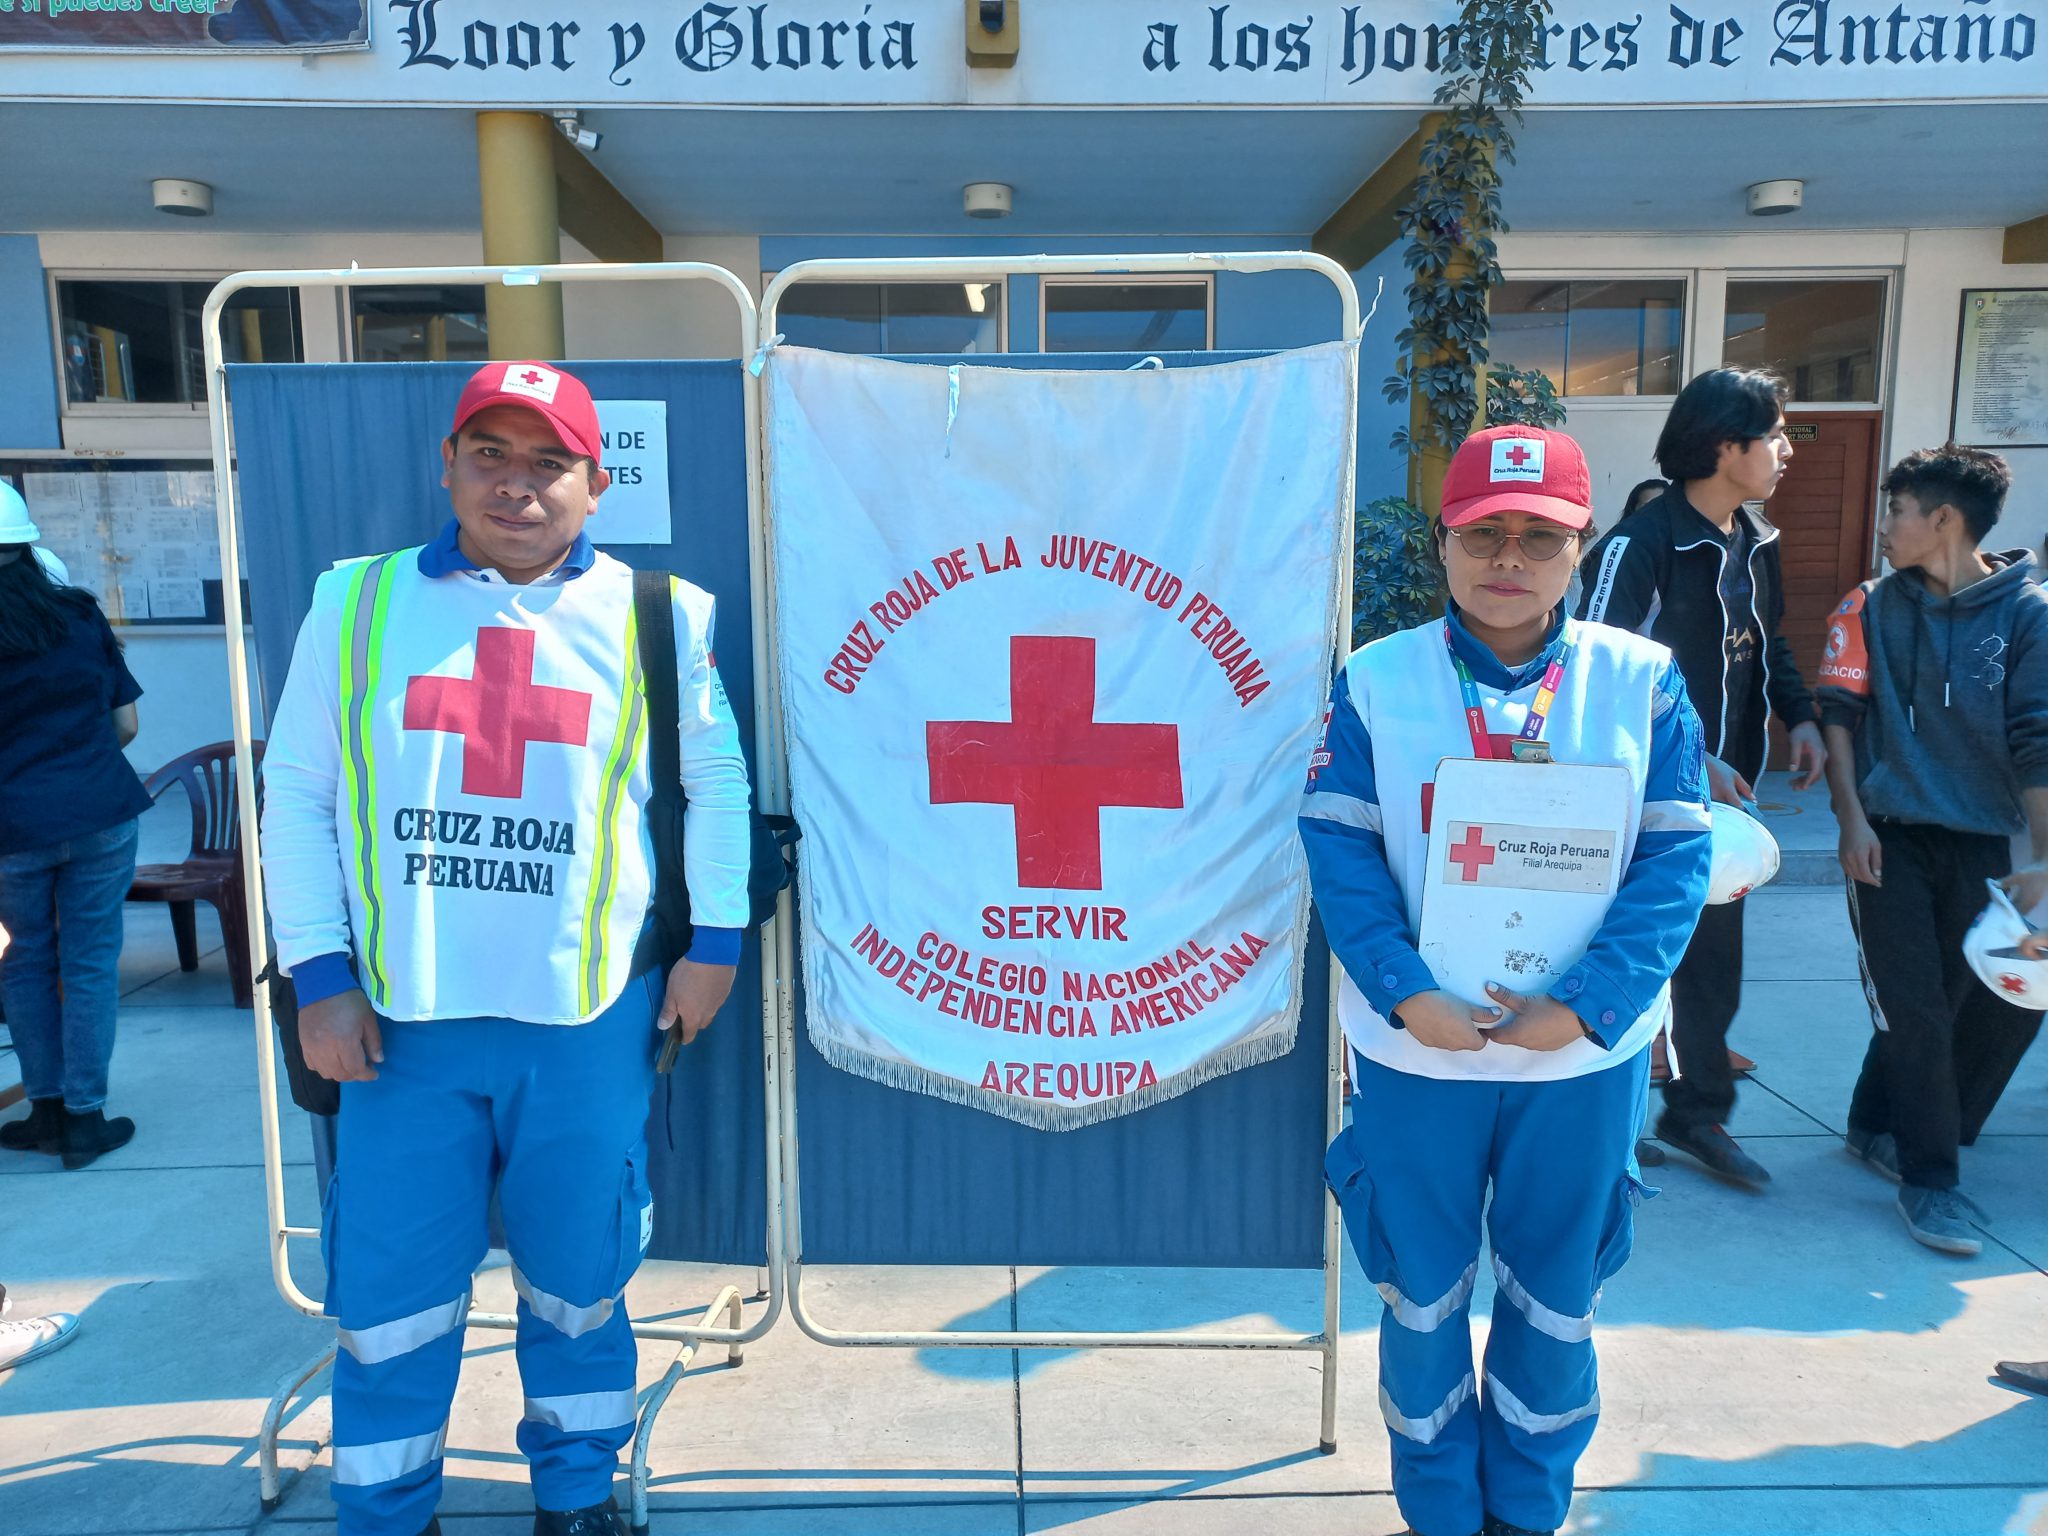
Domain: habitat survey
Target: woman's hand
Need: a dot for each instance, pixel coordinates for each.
(1540, 1023)
(1444, 1021)
(1726, 785)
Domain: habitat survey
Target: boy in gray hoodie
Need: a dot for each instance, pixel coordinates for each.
(1934, 703)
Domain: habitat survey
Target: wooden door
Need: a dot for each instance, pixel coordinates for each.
(1825, 509)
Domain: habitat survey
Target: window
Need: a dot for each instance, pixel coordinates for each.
(419, 325)
(1593, 336)
(141, 341)
(1160, 315)
(1821, 335)
(940, 319)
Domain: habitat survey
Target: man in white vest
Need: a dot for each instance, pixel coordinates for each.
(459, 878)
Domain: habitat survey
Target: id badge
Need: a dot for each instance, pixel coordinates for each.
(1537, 751)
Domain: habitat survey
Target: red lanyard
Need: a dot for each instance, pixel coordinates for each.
(1539, 708)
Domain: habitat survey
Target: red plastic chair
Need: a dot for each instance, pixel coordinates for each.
(212, 870)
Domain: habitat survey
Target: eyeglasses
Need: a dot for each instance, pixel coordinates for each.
(1482, 541)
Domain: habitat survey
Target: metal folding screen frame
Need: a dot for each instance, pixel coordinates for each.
(777, 1010)
(775, 796)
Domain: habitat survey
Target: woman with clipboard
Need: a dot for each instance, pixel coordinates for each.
(1567, 854)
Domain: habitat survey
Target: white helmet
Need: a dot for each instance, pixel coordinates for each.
(15, 527)
(1992, 946)
(1745, 855)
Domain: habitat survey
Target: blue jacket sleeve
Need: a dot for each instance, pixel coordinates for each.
(1363, 911)
(1665, 885)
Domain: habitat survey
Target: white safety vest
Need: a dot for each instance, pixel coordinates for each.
(1406, 693)
(479, 752)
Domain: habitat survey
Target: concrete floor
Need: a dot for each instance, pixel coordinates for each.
(1784, 1363)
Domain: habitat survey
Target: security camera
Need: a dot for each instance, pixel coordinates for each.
(585, 139)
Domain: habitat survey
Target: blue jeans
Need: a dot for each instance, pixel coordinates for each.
(61, 907)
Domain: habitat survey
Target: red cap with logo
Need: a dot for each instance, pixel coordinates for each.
(1518, 469)
(560, 397)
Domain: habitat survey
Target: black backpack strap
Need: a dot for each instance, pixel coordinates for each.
(655, 613)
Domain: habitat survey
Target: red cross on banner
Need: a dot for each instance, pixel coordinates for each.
(1054, 763)
(498, 711)
(1472, 855)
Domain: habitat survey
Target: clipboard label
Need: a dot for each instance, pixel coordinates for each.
(1502, 855)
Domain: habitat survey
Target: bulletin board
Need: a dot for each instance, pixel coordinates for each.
(139, 534)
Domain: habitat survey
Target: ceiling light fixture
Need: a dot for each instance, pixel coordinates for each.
(1770, 199)
(180, 198)
(988, 199)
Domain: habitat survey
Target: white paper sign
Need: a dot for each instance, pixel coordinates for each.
(1054, 652)
(635, 510)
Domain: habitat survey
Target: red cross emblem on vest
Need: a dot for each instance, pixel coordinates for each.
(498, 711)
(1472, 855)
(1054, 763)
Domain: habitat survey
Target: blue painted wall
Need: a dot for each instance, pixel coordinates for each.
(28, 381)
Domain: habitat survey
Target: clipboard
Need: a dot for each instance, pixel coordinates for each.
(1524, 860)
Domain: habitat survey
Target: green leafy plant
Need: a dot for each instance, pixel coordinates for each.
(1522, 397)
(1396, 582)
(1451, 220)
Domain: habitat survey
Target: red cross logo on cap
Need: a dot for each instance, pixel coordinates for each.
(533, 376)
(2013, 984)
(1054, 763)
(1517, 455)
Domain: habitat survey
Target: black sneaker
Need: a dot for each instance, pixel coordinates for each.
(596, 1520)
(1942, 1219)
(1715, 1150)
(88, 1136)
(42, 1131)
(1880, 1149)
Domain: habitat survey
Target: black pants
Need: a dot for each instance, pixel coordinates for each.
(1706, 989)
(1945, 1044)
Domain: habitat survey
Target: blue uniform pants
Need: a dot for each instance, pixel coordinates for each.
(1412, 1173)
(553, 1120)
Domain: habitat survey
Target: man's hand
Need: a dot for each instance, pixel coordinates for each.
(1809, 755)
(1540, 1023)
(340, 1039)
(1861, 853)
(695, 993)
(1445, 1022)
(1725, 784)
(2027, 885)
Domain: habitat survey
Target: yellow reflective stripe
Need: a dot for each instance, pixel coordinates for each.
(618, 769)
(362, 639)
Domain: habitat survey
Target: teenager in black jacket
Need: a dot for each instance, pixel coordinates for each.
(1697, 570)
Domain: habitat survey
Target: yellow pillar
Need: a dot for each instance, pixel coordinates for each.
(515, 153)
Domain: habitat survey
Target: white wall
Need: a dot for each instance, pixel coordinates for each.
(184, 678)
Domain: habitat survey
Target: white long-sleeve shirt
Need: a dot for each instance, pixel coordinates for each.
(455, 784)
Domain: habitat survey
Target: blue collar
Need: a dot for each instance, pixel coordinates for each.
(444, 557)
(1487, 668)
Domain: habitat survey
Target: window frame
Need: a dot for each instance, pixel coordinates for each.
(117, 410)
(993, 278)
(346, 319)
(1206, 281)
(1887, 325)
(1688, 279)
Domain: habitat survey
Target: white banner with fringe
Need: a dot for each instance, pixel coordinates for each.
(1054, 647)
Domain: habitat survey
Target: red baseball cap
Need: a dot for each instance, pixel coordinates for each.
(558, 396)
(1518, 469)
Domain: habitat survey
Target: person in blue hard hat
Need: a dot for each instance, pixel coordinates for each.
(1512, 1113)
